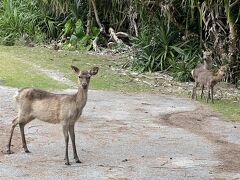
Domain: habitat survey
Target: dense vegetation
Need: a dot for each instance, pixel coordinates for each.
(166, 35)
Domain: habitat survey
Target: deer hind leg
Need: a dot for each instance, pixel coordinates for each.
(21, 125)
(208, 96)
(72, 135)
(212, 94)
(202, 89)
(193, 90)
(14, 124)
(194, 94)
(66, 137)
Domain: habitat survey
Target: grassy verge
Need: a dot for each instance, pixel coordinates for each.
(15, 73)
(61, 61)
(229, 109)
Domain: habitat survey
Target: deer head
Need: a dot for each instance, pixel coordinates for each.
(223, 69)
(207, 55)
(84, 76)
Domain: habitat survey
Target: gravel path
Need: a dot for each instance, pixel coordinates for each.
(126, 136)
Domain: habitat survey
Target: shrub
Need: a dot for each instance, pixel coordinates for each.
(159, 48)
(75, 34)
(156, 47)
(18, 18)
(182, 66)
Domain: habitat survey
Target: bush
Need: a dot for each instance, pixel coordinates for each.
(75, 34)
(156, 47)
(182, 66)
(159, 48)
(19, 19)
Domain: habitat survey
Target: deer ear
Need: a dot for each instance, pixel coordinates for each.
(94, 71)
(75, 69)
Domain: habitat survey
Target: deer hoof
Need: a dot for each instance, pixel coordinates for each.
(78, 161)
(67, 163)
(9, 152)
(27, 151)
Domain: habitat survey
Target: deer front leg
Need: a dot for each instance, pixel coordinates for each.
(21, 125)
(14, 123)
(208, 96)
(66, 137)
(202, 88)
(194, 90)
(72, 135)
(212, 94)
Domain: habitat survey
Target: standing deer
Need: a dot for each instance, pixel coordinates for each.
(53, 108)
(209, 79)
(200, 68)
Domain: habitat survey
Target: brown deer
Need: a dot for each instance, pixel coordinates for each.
(209, 79)
(202, 67)
(53, 108)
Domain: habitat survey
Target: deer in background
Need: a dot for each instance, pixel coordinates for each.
(209, 79)
(207, 60)
(53, 108)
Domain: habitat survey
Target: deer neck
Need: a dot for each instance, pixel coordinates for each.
(205, 64)
(218, 76)
(81, 96)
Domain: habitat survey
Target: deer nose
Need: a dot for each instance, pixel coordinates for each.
(84, 85)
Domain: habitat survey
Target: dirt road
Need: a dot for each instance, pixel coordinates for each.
(126, 136)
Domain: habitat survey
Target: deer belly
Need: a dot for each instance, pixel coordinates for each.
(70, 114)
(47, 112)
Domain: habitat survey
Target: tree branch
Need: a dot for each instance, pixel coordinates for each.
(95, 46)
(234, 3)
(114, 36)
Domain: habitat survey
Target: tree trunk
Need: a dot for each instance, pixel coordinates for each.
(89, 18)
(96, 16)
(233, 51)
(232, 48)
(232, 43)
(95, 46)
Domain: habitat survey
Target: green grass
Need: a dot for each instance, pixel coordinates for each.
(17, 74)
(61, 61)
(228, 108)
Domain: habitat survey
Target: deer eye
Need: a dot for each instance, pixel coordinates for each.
(80, 77)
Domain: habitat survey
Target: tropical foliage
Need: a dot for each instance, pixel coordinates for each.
(18, 18)
(167, 35)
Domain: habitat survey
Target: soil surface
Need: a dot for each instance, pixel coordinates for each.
(125, 136)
